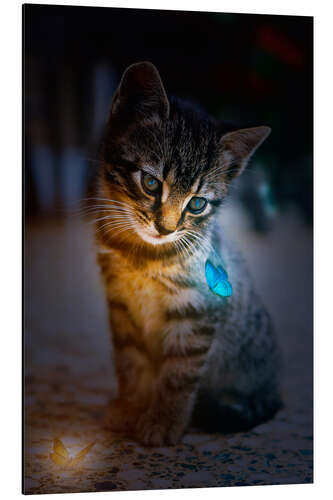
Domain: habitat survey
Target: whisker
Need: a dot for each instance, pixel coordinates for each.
(201, 239)
(190, 246)
(202, 243)
(182, 247)
(175, 244)
(126, 225)
(83, 200)
(109, 217)
(116, 233)
(186, 246)
(103, 209)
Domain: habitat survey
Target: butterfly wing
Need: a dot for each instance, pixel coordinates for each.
(212, 274)
(222, 273)
(217, 280)
(60, 455)
(80, 455)
(223, 288)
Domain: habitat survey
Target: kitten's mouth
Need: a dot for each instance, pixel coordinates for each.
(151, 235)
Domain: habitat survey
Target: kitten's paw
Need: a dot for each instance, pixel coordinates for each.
(154, 430)
(174, 434)
(121, 416)
(151, 431)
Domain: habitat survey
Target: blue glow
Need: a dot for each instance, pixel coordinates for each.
(217, 280)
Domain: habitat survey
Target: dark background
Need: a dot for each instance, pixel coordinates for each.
(251, 69)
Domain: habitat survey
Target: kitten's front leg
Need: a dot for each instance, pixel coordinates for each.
(133, 373)
(172, 404)
(134, 380)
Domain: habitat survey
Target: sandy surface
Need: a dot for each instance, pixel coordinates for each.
(69, 373)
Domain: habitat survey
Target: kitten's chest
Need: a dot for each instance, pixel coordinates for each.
(144, 296)
(150, 295)
(145, 301)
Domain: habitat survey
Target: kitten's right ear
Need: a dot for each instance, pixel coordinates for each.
(236, 148)
(140, 95)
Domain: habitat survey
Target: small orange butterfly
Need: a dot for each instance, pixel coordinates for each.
(60, 455)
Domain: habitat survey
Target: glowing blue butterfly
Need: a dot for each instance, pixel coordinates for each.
(217, 280)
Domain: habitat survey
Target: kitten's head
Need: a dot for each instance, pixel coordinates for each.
(166, 167)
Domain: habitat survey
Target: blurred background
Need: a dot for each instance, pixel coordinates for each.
(248, 69)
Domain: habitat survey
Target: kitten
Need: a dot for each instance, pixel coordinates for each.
(179, 349)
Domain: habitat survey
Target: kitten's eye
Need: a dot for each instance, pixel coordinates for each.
(150, 184)
(197, 205)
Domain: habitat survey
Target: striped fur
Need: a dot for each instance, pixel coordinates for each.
(175, 343)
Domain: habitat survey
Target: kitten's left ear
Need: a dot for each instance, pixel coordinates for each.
(140, 95)
(236, 148)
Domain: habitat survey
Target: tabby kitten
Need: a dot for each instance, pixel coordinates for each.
(179, 349)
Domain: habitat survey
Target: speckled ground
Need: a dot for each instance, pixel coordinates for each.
(69, 373)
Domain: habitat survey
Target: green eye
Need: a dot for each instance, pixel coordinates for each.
(197, 205)
(150, 183)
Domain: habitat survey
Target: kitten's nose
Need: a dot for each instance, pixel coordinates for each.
(168, 218)
(163, 230)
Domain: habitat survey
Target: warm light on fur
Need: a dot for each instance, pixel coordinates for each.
(173, 339)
